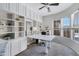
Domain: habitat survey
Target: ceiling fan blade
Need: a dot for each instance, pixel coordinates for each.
(44, 3)
(41, 7)
(48, 9)
(54, 4)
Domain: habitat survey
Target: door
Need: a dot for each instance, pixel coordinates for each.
(57, 24)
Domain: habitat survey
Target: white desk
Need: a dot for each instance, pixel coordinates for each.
(46, 38)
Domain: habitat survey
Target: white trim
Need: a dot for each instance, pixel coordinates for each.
(62, 27)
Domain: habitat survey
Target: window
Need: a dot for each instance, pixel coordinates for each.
(66, 21)
(66, 24)
(76, 19)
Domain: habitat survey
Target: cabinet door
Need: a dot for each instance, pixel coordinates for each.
(25, 12)
(21, 10)
(13, 8)
(23, 44)
(40, 18)
(34, 15)
(7, 52)
(15, 47)
(28, 13)
(4, 6)
(31, 14)
(17, 8)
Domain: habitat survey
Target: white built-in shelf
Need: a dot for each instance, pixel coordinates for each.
(12, 24)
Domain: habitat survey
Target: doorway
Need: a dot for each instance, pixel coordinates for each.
(57, 25)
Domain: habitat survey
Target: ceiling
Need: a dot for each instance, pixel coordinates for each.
(44, 11)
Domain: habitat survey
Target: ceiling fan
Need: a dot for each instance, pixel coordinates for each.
(47, 5)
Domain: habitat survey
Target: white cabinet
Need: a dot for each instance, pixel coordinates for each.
(15, 47)
(21, 10)
(32, 15)
(28, 13)
(4, 6)
(18, 45)
(36, 16)
(25, 12)
(17, 8)
(23, 44)
(13, 8)
(40, 19)
(7, 52)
